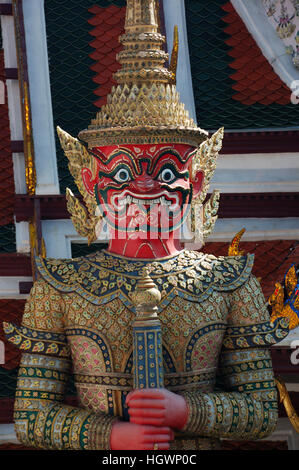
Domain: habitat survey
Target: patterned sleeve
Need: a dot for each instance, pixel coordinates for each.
(41, 418)
(245, 407)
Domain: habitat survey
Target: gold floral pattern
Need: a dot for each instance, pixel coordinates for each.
(203, 299)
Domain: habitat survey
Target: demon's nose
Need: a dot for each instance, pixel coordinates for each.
(145, 183)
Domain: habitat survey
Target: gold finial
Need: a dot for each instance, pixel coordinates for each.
(142, 58)
(174, 55)
(290, 280)
(234, 249)
(284, 301)
(146, 298)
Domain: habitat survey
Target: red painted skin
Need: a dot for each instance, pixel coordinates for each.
(143, 165)
(154, 413)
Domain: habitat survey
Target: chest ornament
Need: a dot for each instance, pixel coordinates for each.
(102, 277)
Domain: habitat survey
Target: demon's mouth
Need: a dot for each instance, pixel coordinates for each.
(120, 201)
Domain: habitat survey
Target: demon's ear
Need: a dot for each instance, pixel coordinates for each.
(197, 181)
(88, 180)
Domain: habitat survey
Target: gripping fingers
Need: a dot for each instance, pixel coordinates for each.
(148, 421)
(158, 438)
(149, 417)
(146, 403)
(145, 394)
(152, 432)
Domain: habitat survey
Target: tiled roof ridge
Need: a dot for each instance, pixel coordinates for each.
(272, 258)
(255, 79)
(108, 25)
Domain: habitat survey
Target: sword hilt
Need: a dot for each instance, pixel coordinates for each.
(147, 336)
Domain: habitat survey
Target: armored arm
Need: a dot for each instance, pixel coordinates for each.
(41, 418)
(245, 407)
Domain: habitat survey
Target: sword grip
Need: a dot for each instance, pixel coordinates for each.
(147, 336)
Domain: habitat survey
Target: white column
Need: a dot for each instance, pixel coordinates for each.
(40, 97)
(8, 434)
(13, 96)
(260, 172)
(174, 12)
(10, 288)
(15, 122)
(257, 229)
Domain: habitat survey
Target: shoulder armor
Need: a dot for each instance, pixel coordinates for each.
(102, 276)
(30, 340)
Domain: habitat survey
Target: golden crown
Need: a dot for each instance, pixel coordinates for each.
(145, 106)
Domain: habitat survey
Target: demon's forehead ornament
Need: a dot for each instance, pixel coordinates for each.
(144, 164)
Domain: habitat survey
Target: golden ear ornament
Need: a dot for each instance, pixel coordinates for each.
(203, 215)
(85, 218)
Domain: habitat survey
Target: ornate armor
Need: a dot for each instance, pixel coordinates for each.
(216, 332)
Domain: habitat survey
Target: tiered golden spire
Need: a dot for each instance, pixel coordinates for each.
(142, 58)
(145, 106)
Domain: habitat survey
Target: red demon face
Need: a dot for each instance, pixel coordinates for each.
(145, 188)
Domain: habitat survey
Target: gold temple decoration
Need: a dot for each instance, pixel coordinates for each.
(85, 220)
(174, 55)
(290, 280)
(286, 400)
(145, 106)
(234, 249)
(30, 170)
(34, 241)
(278, 299)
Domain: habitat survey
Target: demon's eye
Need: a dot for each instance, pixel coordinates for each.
(122, 176)
(167, 176)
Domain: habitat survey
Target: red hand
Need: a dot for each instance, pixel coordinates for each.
(130, 436)
(157, 407)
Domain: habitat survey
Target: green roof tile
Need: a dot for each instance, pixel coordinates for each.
(8, 382)
(8, 238)
(82, 249)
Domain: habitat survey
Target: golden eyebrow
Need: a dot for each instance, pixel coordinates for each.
(126, 152)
